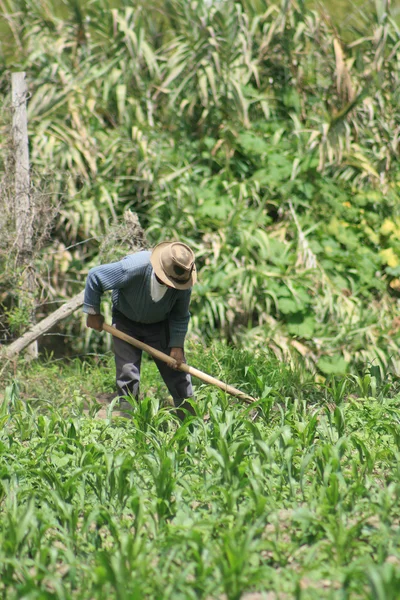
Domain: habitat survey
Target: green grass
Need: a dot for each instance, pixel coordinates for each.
(298, 500)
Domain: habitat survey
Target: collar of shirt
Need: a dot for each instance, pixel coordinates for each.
(157, 290)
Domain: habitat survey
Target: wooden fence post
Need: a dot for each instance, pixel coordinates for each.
(24, 213)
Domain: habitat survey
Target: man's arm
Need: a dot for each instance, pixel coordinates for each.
(100, 279)
(178, 325)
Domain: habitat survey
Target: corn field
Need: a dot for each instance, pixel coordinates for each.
(295, 497)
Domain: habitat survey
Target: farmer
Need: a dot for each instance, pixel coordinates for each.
(150, 301)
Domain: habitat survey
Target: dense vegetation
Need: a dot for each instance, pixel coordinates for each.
(252, 130)
(297, 497)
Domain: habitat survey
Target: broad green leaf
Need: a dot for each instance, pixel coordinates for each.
(333, 365)
(301, 325)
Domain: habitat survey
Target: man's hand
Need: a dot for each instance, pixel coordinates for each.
(95, 322)
(179, 355)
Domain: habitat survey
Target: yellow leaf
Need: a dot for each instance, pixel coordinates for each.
(395, 285)
(387, 227)
(389, 257)
(374, 237)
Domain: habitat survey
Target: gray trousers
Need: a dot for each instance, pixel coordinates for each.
(128, 359)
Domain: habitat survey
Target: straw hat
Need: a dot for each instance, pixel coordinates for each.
(173, 263)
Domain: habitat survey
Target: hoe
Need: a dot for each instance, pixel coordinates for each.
(229, 389)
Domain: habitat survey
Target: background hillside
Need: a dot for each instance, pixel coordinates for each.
(265, 135)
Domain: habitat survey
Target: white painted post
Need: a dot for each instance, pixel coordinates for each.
(23, 208)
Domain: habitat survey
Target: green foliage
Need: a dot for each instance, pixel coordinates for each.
(296, 496)
(262, 137)
(18, 317)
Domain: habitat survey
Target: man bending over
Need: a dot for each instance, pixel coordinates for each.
(150, 301)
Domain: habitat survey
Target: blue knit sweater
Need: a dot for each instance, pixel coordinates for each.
(130, 280)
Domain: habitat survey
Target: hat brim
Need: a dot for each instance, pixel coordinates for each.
(158, 270)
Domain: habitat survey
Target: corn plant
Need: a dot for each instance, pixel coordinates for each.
(300, 496)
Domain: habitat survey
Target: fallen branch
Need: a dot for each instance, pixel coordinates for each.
(40, 328)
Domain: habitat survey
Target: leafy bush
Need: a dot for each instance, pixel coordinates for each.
(263, 138)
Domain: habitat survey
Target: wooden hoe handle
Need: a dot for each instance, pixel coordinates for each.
(172, 363)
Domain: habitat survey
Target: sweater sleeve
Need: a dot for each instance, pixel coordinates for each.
(179, 320)
(100, 279)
